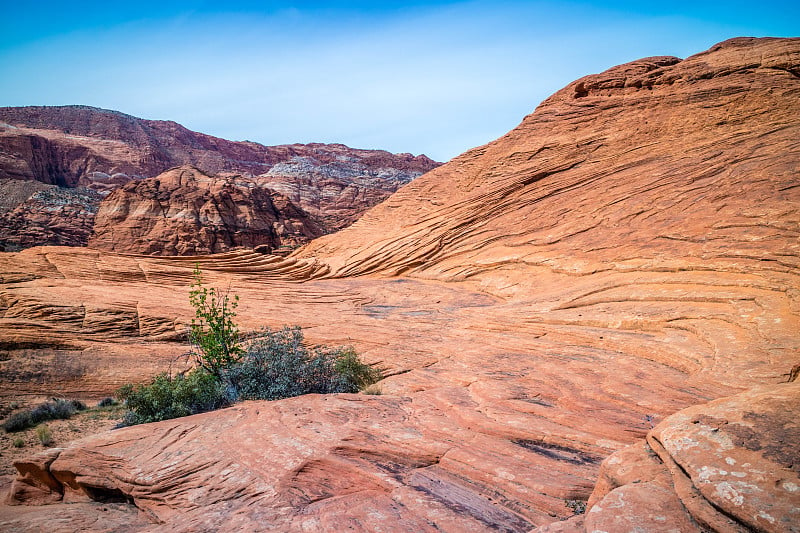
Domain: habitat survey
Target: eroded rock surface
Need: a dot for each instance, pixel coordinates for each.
(186, 212)
(648, 192)
(729, 465)
(507, 401)
(51, 215)
(623, 266)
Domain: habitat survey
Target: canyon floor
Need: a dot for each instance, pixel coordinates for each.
(496, 413)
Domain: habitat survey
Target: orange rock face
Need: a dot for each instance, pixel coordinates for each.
(729, 465)
(602, 305)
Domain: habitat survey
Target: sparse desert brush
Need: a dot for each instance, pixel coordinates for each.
(373, 390)
(577, 506)
(55, 409)
(168, 397)
(19, 443)
(18, 422)
(356, 374)
(107, 402)
(62, 409)
(278, 364)
(268, 365)
(44, 435)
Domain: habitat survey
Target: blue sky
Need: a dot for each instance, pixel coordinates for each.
(421, 77)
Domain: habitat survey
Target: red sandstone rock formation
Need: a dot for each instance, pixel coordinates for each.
(729, 465)
(49, 216)
(186, 212)
(69, 145)
(102, 150)
(626, 258)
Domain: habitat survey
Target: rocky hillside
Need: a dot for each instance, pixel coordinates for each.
(51, 215)
(79, 146)
(186, 212)
(600, 308)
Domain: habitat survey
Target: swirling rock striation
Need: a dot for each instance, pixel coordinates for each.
(656, 159)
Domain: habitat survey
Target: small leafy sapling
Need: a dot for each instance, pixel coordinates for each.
(213, 333)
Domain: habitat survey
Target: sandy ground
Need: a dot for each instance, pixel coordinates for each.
(21, 444)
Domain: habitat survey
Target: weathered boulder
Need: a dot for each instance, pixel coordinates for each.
(728, 465)
(186, 212)
(35, 485)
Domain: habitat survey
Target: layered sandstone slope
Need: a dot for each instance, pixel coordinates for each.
(621, 266)
(654, 160)
(641, 196)
(186, 212)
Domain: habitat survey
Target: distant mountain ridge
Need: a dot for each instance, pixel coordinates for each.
(166, 144)
(82, 146)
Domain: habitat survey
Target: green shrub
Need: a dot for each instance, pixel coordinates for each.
(107, 402)
(44, 435)
(353, 374)
(165, 397)
(19, 443)
(55, 409)
(213, 333)
(277, 364)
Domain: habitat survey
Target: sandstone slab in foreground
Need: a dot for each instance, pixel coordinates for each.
(730, 465)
